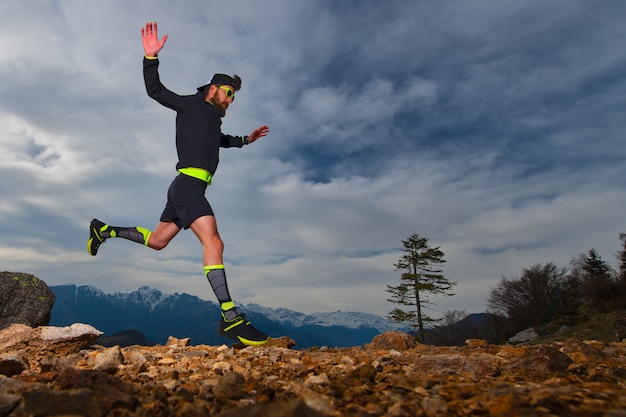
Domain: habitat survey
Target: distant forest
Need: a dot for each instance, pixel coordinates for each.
(542, 294)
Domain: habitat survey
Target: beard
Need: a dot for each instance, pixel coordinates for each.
(220, 105)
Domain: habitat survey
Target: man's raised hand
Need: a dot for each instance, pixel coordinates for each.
(150, 38)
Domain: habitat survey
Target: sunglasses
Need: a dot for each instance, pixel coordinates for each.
(229, 93)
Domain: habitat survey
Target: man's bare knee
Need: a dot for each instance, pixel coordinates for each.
(217, 244)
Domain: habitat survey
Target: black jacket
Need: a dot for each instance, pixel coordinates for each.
(198, 124)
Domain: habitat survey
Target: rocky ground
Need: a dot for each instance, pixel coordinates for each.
(56, 372)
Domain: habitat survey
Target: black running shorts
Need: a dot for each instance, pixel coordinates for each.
(186, 201)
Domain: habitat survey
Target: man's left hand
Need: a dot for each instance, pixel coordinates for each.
(258, 133)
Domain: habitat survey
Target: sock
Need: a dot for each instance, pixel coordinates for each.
(135, 234)
(217, 278)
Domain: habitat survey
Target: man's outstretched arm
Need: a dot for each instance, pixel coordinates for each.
(155, 89)
(229, 141)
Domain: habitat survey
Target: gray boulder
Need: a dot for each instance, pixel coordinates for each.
(524, 336)
(24, 299)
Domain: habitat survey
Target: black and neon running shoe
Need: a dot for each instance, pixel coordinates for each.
(95, 236)
(242, 330)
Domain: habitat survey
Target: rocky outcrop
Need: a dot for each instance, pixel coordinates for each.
(24, 299)
(34, 345)
(392, 377)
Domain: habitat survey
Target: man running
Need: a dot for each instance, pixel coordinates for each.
(198, 139)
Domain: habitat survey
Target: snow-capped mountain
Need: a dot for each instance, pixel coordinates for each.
(158, 316)
(349, 319)
(147, 296)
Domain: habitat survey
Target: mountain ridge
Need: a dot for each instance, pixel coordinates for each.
(159, 315)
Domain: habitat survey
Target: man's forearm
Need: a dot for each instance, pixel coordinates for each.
(151, 76)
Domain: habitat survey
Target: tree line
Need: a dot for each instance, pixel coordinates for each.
(543, 293)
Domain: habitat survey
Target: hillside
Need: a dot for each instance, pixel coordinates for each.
(604, 327)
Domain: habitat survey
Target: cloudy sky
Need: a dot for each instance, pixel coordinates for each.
(495, 129)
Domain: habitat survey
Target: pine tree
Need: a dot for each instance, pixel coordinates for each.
(598, 284)
(422, 275)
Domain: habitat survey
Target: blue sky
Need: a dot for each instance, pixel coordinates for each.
(496, 129)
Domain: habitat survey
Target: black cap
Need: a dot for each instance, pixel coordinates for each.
(219, 79)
